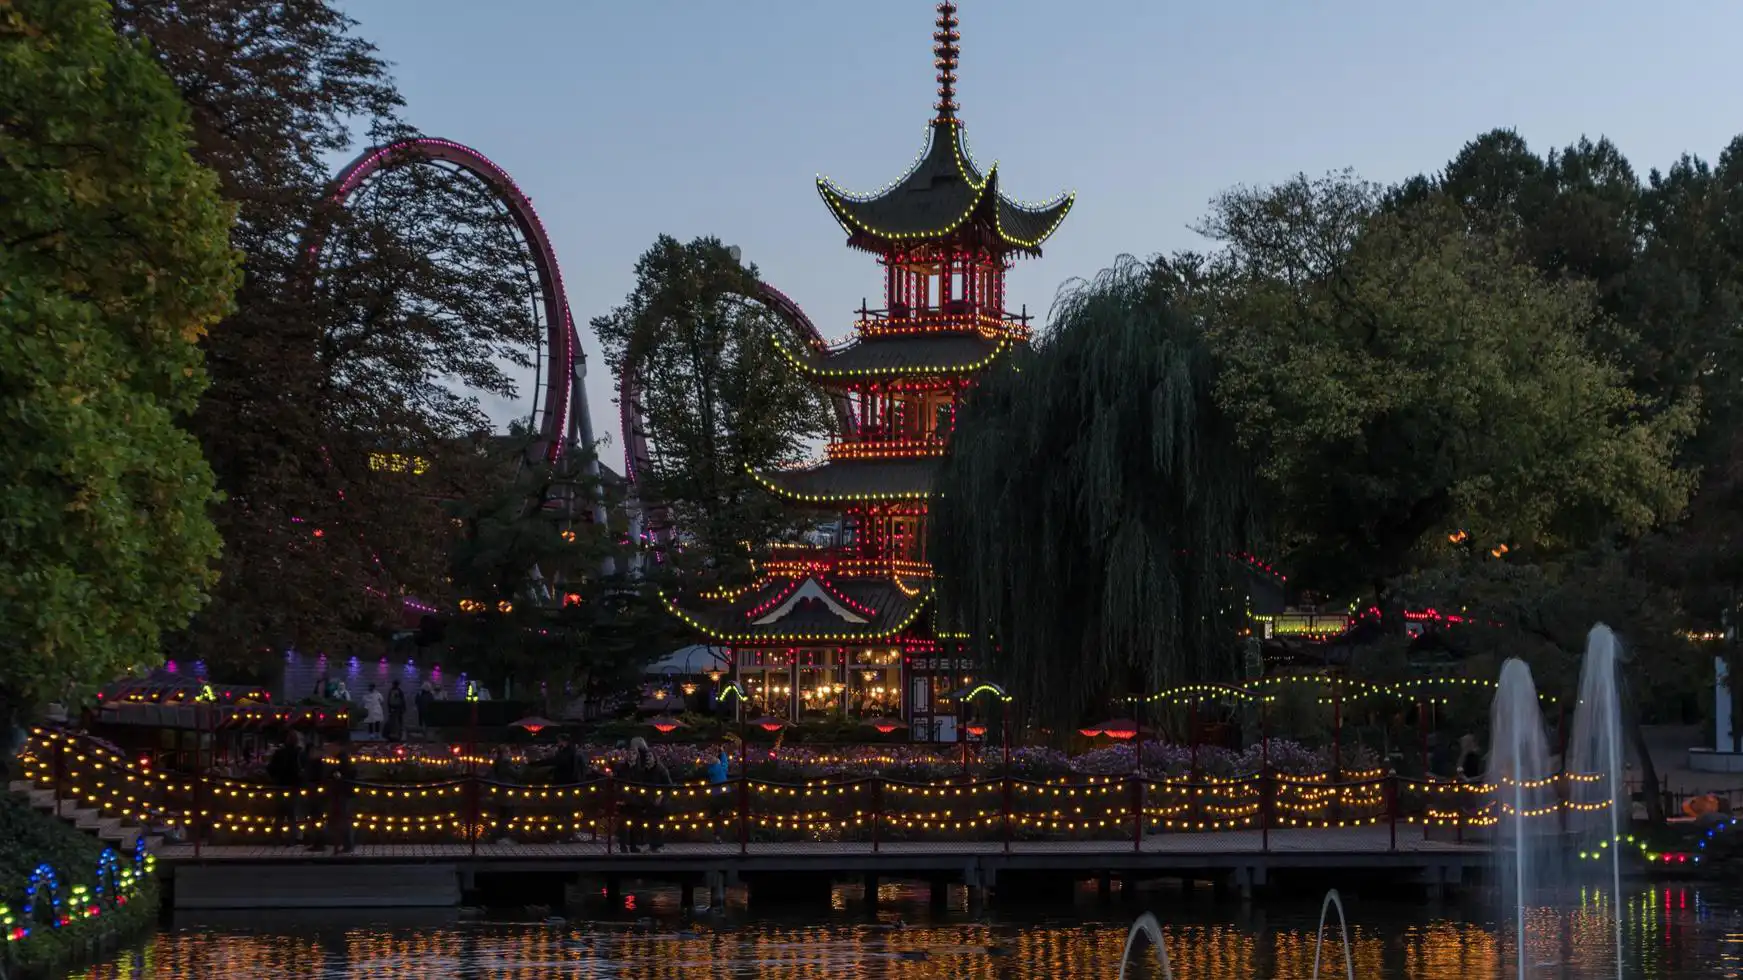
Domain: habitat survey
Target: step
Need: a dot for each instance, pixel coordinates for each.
(21, 786)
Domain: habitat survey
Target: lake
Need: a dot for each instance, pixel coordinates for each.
(1672, 932)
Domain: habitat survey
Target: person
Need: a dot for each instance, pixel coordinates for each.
(289, 770)
(566, 763)
(719, 797)
(372, 711)
(426, 697)
(342, 798)
(1470, 760)
(322, 683)
(567, 770)
(649, 804)
(395, 714)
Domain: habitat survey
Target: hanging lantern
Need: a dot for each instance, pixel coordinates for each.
(689, 688)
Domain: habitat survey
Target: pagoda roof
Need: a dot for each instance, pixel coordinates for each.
(944, 190)
(850, 480)
(900, 356)
(812, 608)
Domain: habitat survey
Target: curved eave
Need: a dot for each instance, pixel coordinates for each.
(818, 367)
(768, 636)
(775, 484)
(1020, 225)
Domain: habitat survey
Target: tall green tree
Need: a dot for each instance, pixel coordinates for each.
(1083, 520)
(418, 308)
(546, 600)
(718, 399)
(114, 260)
(1403, 376)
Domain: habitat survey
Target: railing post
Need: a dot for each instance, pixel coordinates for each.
(196, 820)
(1392, 807)
(877, 810)
(1137, 811)
(475, 820)
(743, 811)
(1267, 789)
(1007, 806)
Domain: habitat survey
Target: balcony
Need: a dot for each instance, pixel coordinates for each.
(903, 447)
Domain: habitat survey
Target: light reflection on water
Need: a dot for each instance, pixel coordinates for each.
(1674, 933)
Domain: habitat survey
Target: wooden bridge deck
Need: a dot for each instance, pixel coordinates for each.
(1347, 841)
(383, 875)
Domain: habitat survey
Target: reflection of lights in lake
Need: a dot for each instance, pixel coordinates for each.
(1675, 934)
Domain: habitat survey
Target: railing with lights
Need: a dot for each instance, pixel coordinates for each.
(1137, 811)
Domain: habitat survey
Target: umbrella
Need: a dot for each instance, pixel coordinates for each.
(886, 725)
(533, 724)
(768, 723)
(665, 723)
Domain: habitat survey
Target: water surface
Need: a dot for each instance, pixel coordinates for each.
(1671, 933)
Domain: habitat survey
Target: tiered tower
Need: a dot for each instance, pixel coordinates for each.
(848, 630)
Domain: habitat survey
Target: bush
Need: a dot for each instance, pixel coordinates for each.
(28, 840)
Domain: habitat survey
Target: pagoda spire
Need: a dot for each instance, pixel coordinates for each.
(945, 54)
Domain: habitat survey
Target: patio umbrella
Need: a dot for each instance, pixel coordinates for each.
(885, 725)
(666, 723)
(768, 723)
(533, 724)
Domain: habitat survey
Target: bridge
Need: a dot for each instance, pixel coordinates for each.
(228, 843)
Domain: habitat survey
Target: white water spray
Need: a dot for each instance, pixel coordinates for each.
(1149, 928)
(1596, 749)
(1519, 769)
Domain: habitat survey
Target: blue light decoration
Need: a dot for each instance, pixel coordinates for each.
(44, 884)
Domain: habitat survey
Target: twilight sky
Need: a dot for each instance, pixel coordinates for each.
(627, 119)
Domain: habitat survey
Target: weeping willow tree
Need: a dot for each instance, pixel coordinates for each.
(1092, 498)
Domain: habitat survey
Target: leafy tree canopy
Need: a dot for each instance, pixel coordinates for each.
(1090, 502)
(114, 260)
(1401, 377)
(418, 309)
(546, 599)
(717, 398)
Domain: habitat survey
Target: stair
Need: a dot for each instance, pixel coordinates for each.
(113, 831)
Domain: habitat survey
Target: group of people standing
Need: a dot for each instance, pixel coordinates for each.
(384, 713)
(384, 717)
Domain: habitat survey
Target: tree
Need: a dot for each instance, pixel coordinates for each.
(1086, 512)
(1402, 378)
(114, 261)
(541, 600)
(718, 400)
(313, 375)
(1542, 613)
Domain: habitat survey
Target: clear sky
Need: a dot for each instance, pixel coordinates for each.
(627, 119)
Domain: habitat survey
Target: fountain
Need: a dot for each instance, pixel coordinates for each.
(1149, 928)
(1594, 760)
(1524, 781)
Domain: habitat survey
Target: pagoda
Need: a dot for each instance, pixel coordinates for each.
(849, 631)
